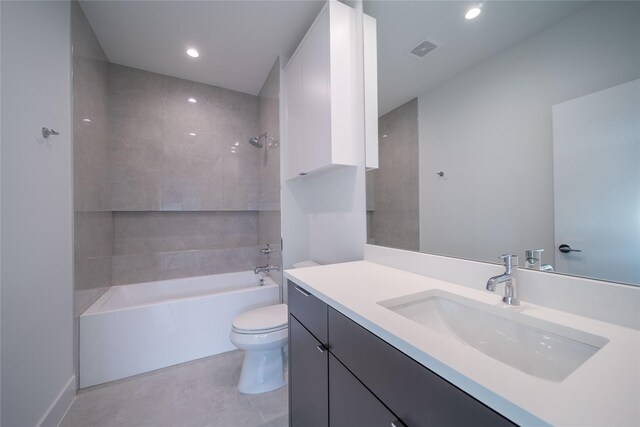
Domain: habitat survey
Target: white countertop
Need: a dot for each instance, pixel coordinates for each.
(604, 391)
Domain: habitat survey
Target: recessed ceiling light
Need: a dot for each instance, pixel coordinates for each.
(192, 134)
(472, 13)
(192, 100)
(86, 120)
(236, 143)
(192, 53)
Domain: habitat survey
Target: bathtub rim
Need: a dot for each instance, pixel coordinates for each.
(268, 283)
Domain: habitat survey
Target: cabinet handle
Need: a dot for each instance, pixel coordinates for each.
(321, 348)
(397, 423)
(303, 173)
(302, 291)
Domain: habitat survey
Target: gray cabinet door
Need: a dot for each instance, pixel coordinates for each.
(418, 396)
(351, 403)
(308, 374)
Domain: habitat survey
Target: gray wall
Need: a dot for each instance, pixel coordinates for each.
(489, 130)
(146, 188)
(184, 205)
(392, 189)
(166, 245)
(36, 374)
(269, 172)
(156, 165)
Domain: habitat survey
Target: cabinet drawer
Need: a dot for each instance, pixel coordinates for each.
(309, 310)
(351, 403)
(414, 393)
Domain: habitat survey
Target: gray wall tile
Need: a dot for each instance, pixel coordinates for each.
(135, 133)
(145, 232)
(147, 267)
(392, 189)
(183, 204)
(165, 245)
(157, 164)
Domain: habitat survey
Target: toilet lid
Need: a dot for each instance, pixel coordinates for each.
(260, 319)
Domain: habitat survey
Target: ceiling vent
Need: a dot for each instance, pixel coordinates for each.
(421, 50)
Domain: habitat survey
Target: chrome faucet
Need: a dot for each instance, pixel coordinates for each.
(266, 268)
(506, 278)
(267, 250)
(533, 260)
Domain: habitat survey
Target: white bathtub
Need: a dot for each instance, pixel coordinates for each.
(137, 328)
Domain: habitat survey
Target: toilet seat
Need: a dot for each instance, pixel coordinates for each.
(258, 332)
(261, 320)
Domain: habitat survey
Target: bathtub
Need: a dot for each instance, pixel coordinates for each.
(137, 328)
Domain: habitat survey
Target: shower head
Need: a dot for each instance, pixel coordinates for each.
(256, 141)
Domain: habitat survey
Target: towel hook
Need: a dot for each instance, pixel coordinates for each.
(46, 132)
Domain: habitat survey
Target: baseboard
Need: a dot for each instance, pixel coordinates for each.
(60, 405)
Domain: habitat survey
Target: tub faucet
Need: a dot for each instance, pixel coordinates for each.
(266, 268)
(506, 278)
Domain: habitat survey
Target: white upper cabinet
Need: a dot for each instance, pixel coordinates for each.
(319, 93)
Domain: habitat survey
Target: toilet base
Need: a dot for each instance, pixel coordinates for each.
(262, 371)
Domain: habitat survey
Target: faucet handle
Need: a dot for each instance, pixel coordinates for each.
(532, 256)
(507, 261)
(531, 253)
(268, 250)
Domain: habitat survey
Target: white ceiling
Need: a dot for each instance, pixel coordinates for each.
(403, 24)
(238, 41)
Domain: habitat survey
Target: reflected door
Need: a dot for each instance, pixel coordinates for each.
(596, 165)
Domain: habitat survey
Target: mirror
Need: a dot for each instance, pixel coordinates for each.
(516, 131)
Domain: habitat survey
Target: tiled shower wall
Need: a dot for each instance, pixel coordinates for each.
(164, 187)
(269, 171)
(165, 245)
(392, 189)
(185, 182)
(170, 154)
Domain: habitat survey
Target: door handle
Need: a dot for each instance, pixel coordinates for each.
(321, 348)
(303, 292)
(565, 249)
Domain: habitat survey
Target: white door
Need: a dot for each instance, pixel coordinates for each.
(596, 166)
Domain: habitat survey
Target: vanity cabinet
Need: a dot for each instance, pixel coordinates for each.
(415, 394)
(341, 374)
(352, 404)
(319, 95)
(308, 373)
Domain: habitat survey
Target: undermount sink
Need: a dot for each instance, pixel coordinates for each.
(537, 347)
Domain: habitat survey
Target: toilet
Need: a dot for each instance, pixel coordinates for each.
(262, 333)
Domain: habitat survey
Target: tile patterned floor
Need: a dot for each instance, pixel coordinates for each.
(201, 393)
